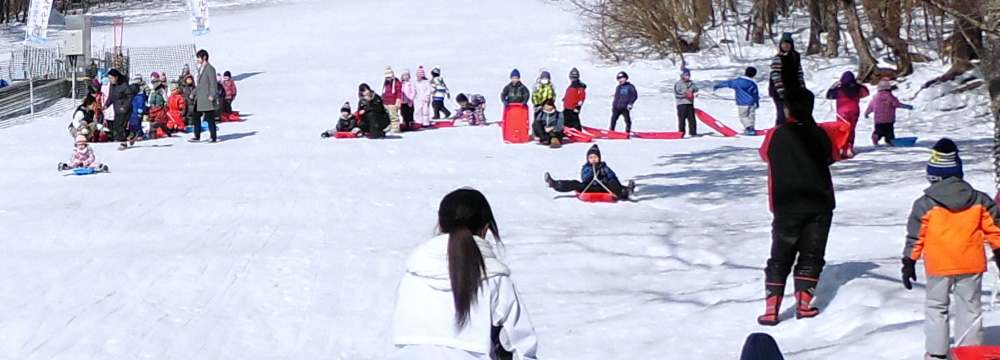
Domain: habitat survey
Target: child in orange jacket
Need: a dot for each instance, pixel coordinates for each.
(948, 226)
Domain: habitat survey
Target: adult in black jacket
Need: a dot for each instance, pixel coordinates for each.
(120, 99)
(798, 155)
(374, 117)
(515, 92)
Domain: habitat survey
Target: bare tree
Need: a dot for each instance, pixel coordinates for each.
(816, 27)
(887, 21)
(866, 61)
(832, 25)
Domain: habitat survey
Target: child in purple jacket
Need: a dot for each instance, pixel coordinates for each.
(884, 105)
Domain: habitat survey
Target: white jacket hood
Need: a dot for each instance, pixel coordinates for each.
(429, 262)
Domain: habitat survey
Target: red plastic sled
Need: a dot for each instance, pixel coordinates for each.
(715, 123)
(345, 135)
(976, 353)
(606, 134)
(661, 135)
(515, 124)
(601, 197)
(578, 136)
(234, 117)
(838, 131)
(443, 124)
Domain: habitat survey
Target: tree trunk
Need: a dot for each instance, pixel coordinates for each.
(763, 17)
(886, 21)
(832, 25)
(815, 28)
(866, 62)
(990, 10)
(967, 39)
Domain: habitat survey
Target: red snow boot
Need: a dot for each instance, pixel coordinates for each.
(803, 309)
(770, 317)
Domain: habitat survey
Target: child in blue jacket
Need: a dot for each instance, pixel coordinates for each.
(596, 177)
(747, 98)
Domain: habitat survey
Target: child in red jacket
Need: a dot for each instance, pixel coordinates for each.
(576, 94)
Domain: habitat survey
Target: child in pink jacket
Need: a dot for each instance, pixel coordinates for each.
(422, 98)
(83, 157)
(884, 105)
(409, 93)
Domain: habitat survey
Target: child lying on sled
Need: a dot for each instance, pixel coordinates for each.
(596, 176)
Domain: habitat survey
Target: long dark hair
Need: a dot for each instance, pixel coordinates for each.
(463, 214)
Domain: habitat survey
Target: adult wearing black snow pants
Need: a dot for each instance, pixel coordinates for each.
(799, 155)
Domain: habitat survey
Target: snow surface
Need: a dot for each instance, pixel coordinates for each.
(275, 244)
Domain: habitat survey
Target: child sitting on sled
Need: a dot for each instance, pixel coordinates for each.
(83, 157)
(596, 176)
(348, 122)
(471, 108)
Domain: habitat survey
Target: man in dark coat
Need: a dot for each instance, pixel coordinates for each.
(374, 117)
(798, 154)
(119, 99)
(786, 73)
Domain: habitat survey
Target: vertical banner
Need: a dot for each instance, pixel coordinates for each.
(38, 20)
(199, 16)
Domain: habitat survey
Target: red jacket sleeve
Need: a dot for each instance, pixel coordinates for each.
(767, 146)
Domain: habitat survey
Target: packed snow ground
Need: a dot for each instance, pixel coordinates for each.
(275, 244)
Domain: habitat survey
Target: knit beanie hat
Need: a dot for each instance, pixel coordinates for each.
(389, 73)
(154, 75)
(685, 70)
(514, 73)
(621, 74)
(787, 37)
(80, 139)
(574, 74)
(346, 107)
(944, 162)
(884, 84)
(545, 75)
(436, 71)
(227, 74)
(750, 72)
(594, 150)
(420, 72)
(461, 98)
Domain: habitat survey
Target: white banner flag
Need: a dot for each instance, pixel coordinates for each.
(199, 16)
(38, 20)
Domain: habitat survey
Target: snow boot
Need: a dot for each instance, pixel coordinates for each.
(548, 180)
(194, 140)
(630, 189)
(122, 147)
(803, 309)
(770, 317)
(104, 168)
(750, 131)
(63, 166)
(929, 356)
(555, 143)
(324, 135)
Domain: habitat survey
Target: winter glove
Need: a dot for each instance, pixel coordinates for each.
(690, 96)
(867, 115)
(629, 107)
(577, 110)
(908, 107)
(909, 272)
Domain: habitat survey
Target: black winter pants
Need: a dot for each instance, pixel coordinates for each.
(887, 131)
(208, 116)
(572, 119)
(686, 112)
(538, 128)
(438, 106)
(407, 111)
(779, 105)
(615, 113)
(118, 128)
(572, 185)
(799, 240)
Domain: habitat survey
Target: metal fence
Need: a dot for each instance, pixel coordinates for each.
(15, 100)
(38, 63)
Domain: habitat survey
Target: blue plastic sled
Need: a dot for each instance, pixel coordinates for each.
(84, 171)
(190, 129)
(905, 141)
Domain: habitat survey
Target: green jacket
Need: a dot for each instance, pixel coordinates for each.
(157, 100)
(542, 94)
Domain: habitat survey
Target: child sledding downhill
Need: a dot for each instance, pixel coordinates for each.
(83, 157)
(884, 105)
(948, 227)
(348, 122)
(549, 125)
(596, 177)
(472, 108)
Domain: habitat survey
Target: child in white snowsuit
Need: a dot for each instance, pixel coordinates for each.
(422, 99)
(83, 157)
(948, 227)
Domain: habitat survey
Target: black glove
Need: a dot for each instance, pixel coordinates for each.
(996, 257)
(909, 272)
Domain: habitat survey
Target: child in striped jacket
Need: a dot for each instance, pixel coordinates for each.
(440, 93)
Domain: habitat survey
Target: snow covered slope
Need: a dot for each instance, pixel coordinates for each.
(275, 244)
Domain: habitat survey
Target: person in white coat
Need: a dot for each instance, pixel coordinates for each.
(422, 99)
(457, 300)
